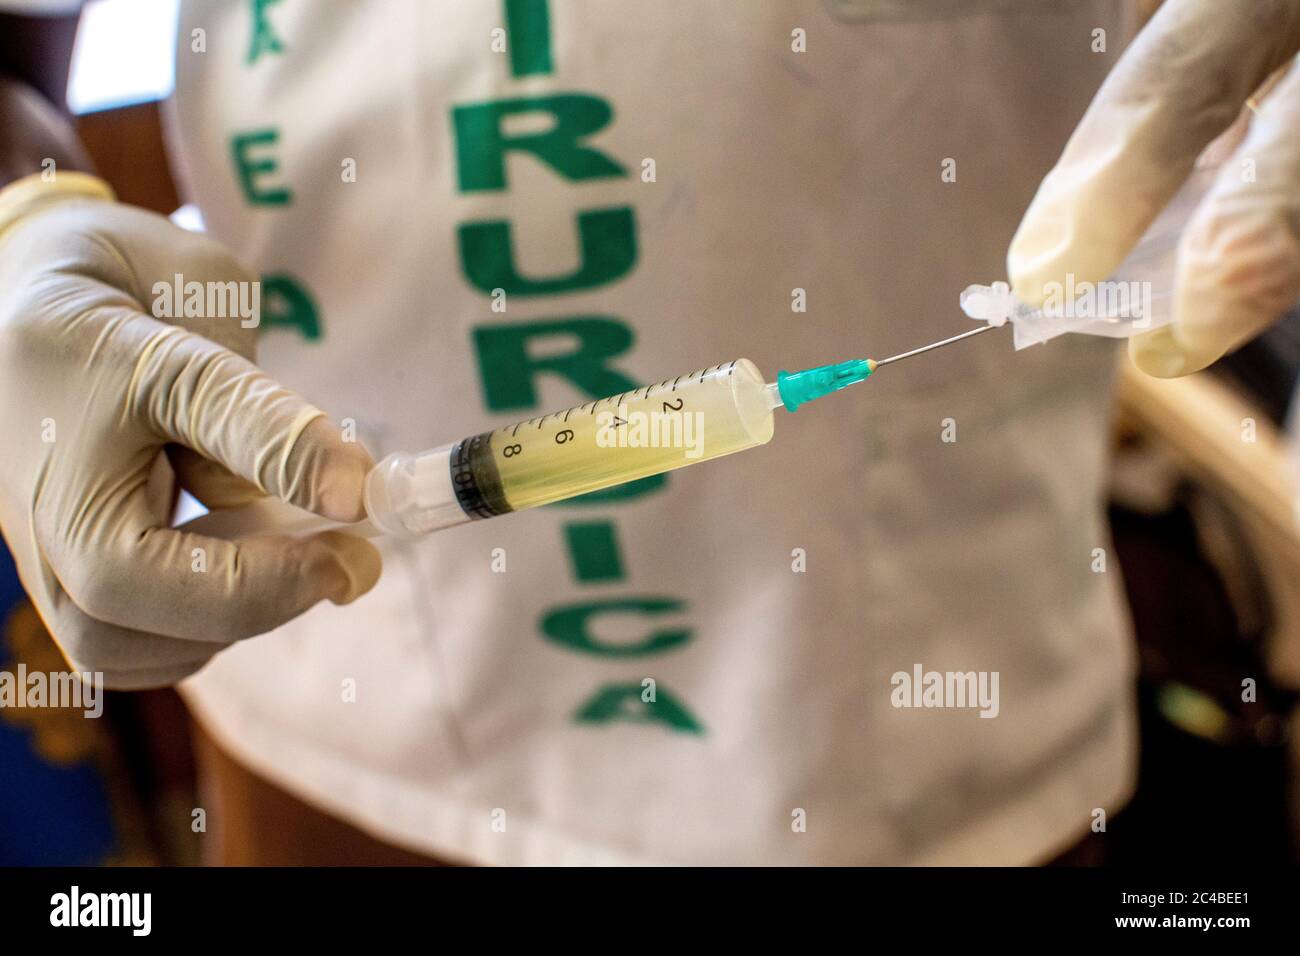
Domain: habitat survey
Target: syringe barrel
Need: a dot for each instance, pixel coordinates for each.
(646, 431)
(642, 432)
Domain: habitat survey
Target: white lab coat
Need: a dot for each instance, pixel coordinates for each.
(770, 596)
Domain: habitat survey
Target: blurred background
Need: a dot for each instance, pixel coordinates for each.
(1203, 516)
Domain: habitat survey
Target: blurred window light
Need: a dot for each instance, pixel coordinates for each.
(189, 217)
(124, 54)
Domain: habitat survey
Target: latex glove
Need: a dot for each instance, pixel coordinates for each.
(1180, 85)
(93, 389)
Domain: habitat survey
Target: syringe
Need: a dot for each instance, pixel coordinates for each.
(680, 421)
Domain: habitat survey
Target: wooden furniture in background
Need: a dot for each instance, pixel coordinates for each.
(127, 147)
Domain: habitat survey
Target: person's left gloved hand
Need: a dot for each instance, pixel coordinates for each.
(1179, 86)
(107, 402)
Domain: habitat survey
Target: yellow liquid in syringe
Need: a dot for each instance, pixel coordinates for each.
(652, 429)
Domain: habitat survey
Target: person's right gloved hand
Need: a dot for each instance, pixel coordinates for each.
(1181, 84)
(94, 390)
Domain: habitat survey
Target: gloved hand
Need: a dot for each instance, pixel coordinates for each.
(97, 397)
(1180, 85)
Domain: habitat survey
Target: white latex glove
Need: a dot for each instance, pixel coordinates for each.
(96, 396)
(1181, 84)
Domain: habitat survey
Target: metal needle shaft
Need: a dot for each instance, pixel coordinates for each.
(933, 345)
